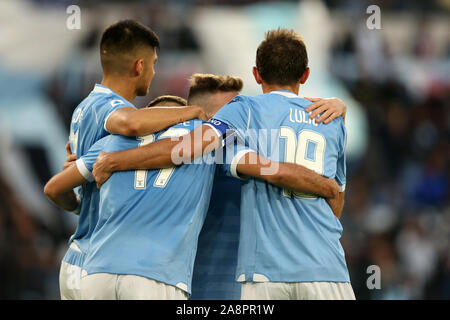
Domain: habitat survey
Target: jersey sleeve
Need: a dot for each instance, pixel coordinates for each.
(341, 169)
(180, 129)
(234, 116)
(112, 105)
(86, 162)
(233, 153)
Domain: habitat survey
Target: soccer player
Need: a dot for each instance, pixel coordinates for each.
(289, 242)
(210, 92)
(144, 244)
(128, 54)
(217, 249)
(216, 258)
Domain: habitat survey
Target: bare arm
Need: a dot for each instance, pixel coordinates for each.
(337, 204)
(157, 155)
(287, 175)
(170, 152)
(71, 157)
(59, 189)
(328, 109)
(130, 121)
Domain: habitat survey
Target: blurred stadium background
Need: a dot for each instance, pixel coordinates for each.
(395, 82)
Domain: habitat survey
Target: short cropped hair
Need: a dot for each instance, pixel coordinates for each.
(281, 57)
(121, 41)
(209, 83)
(169, 100)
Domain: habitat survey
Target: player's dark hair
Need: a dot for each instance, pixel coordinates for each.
(171, 100)
(124, 38)
(281, 58)
(210, 83)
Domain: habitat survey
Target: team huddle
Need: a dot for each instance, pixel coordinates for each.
(220, 196)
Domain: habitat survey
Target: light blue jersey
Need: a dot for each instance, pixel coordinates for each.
(86, 128)
(287, 236)
(149, 220)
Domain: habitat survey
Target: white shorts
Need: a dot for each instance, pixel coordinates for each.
(107, 286)
(297, 291)
(70, 279)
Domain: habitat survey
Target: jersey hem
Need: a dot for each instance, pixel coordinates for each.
(153, 276)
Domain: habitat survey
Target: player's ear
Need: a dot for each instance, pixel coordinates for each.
(138, 67)
(305, 76)
(257, 75)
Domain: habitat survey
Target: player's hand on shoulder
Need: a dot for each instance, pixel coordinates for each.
(101, 169)
(71, 157)
(328, 109)
(201, 114)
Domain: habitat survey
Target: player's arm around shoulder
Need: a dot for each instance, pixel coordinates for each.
(158, 155)
(129, 121)
(326, 109)
(337, 204)
(169, 152)
(59, 189)
(286, 175)
(293, 177)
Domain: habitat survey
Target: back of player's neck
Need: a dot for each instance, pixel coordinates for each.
(120, 87)
(269, 88)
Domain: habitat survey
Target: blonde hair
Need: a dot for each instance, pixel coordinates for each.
(171, 100)
(201, 83)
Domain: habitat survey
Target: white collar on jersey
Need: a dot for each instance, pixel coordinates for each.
(102, 89)
(287, 94)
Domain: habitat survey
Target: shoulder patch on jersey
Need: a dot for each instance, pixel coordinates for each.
(237, 98)
(116, 102)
